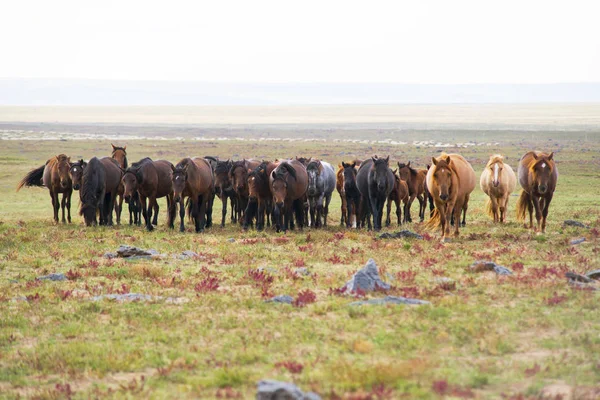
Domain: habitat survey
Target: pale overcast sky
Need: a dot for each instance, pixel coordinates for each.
(412, 41)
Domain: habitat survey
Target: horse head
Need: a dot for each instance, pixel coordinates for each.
(179, 180)
(542, 171)
(76, 172)
(442, 175)
(63, 166)
(496, 165)
(379, 173)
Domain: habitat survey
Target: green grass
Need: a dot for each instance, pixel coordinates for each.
(487, 336)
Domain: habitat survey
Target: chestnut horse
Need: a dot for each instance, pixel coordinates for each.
(55, 176)
(151, 180)
(288, 183)
(259, 194)
(450, 181)
(498, 181)
(415, 180)
(538, 175)
(398, 195)
(238, 175)
(193, 178)
(375, 182)
(339, 186)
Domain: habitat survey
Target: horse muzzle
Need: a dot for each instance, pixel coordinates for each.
(496, 183)
(177, 199)
(312, 192)
(444, 197)
(76, 186)
(542, 189)
(127, 198)
(64, 183)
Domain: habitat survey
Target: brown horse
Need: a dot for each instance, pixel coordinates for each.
(415, 180)
(339, 186)
(55, 176)
(224, 188)
(289, 183)
(538, 175)
(151, 180)
(112, 182)
(135, 210)
(260, 198)
(193, 178)
(238, 175)
(398, 195)
(450, 180)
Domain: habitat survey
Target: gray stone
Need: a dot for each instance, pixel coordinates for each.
(110, 255)
(284, 298)
(17, 299)
(577, 241)
(303, 271)
(187, 254)
(391, 300)
(570, 222)
(231, 240)
(582, 281)
(572, 276)
(367, 279)
(270, 270)
(277, 390)
(480, 266)
(52, 277)
(595, 274)
(130, 251)
(401, 234)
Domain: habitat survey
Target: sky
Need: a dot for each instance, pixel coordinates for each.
(415, 41)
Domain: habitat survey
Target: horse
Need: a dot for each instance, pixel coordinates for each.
(193, 178)
(321, 183)
(92, 193)
(538, 175)
(260, 199)
(450, 181)
(339, 186)
(498, 181)
(288, 183)
(398, 195)
(375, 182)
(151, 180)
(135, 208)
(238, 175)
(55, 176)
(224, 189)
(351, 195)
(415, 180)
(112, 176)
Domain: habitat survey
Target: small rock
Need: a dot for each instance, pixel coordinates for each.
(130, 251)
(281, 299)
(582, 281)
(572, 276)
(391, 300)
(52, 277)
(231, 240)
(18, 299)
(480, 266)
(570, 222)
(187, 255)
(401, 234)
(595, 274)
(577, 241)
(110, 255)
(277, 390)
(367, 279)
(302, 271)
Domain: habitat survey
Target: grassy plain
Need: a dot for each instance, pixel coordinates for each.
(483, 336)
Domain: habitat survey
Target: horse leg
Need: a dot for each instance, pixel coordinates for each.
(203, 205)
(69, 194)
(344, 210)
(464, 209)
(410, 201)
(538, 212)
(55, 205)
(388, 221)
(494, 202)
(63, 204)
(421, 208)
(398, 211)
(299, 210)
(156, 208)
(181, 215)
(503, 207)
(146, 212)
(457, 211)
(326, 209)
(547, 201)
(224, 209)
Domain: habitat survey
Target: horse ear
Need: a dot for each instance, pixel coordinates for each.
(394, 171)
(408, 164)
(428, 166)
(172, 168)
(534, 155)
(354, 164)
(273, 174)
(124, 147)
(433, 160)
(387, 160)
(374, 158)
(448, 159)
(344, 165)
(113, 146)
(550, 156)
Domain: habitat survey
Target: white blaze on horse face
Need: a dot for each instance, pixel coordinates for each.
(496, 170)
(177, 177)
(543, 165)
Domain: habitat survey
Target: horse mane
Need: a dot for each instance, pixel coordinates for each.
(138, 164)
(315, 164)
(280, 173)
(494, 159)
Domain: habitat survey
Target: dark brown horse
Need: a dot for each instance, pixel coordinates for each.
(397, 196)
(415, 180)
(238, 175)
(375, 182)
(92, 193)
(260, 199)
(151, 180)
(224, 189)
(193, 178)
(352, 195)
(288, 182)
(135, 208)
(55, 176)
(538, 175)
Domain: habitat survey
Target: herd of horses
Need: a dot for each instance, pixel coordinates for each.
(294, 192)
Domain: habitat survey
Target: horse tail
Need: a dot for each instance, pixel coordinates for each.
(523, 205)
(33, 178)
(488, 207)
(435, 220)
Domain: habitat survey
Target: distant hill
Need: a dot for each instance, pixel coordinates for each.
(113, 93)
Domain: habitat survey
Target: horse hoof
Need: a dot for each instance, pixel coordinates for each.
(149, 228)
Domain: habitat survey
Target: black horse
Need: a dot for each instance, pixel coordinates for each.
(353, 197)
(93, 187)
(375, 181)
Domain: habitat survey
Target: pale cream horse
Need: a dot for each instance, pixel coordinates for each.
(498, 181)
